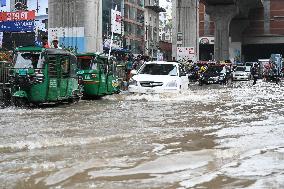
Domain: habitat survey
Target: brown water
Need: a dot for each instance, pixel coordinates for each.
(209, 137)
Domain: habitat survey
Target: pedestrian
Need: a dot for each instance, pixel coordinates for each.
(129, 67)
(55, 44)
(255, 73)
(45, 42)
(275, 73)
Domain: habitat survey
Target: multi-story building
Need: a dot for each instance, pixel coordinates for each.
(165, 30)
(261, 35)
(134, 32)
(152, 10)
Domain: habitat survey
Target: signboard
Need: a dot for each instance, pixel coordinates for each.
(179, 38)
(206, 40)
(16, 16)
(116, 21)
(73, 37)
(185, 54)
(116, 44)
(160, 56)
(17, 26)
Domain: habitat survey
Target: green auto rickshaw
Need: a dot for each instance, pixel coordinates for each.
(42, 75)
(97, 74)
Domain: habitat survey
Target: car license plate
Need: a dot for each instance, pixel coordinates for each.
(150, 91)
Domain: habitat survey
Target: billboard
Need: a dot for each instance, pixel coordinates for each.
(116, 21)
(185, 54)
(73, 37)
(17, 26)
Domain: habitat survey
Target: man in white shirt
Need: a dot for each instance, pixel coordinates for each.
(55, 44)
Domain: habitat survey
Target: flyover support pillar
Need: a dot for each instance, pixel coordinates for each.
(185, 25)
(222, 16)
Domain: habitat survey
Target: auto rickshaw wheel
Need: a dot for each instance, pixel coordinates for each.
(5, 98)
(20, 102)
(74, 99)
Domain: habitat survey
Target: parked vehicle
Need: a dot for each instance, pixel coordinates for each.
(213, 75)
(97, 75)
(42, 75)
(242, 73)
(159, 77)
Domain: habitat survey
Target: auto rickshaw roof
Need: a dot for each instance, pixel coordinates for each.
(58, 51)
(41, 49)
(93, 54)
(30, 48)
(98, 55)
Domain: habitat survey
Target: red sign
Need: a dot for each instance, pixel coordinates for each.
(17, 16)
(118, 18)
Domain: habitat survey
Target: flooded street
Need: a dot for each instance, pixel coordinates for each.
(208, 137)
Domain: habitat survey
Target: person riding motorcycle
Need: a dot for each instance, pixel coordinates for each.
(201, 71)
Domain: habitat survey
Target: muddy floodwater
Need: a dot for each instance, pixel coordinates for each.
(208, 137)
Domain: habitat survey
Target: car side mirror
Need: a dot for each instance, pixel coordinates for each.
(133, 72)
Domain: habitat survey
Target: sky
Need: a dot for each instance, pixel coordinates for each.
(166, 3)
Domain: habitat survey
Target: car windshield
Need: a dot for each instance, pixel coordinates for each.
(159, 69)
(28, 60)
(86, 63)
(214, 69)
(249, 64)
(240, 69)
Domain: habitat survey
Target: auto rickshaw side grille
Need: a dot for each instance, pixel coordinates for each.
(52, 67)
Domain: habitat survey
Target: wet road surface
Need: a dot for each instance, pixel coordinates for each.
(208, 137)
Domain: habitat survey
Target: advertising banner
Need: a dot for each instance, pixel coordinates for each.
(185, 54)
(116, 21)
(73, 37)
(17, 26)
(16, 16)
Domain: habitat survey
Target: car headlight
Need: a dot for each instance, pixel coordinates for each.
(172, 84)
(133, 82)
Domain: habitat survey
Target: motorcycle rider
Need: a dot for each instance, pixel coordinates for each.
(255, 73)
(275, 73)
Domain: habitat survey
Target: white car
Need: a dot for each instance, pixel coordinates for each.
(159, 77)
(242, 73)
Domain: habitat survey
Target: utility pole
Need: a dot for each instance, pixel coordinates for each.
(37, 6)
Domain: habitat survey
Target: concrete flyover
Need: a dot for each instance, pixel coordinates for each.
(229, 14)
(230, 17)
